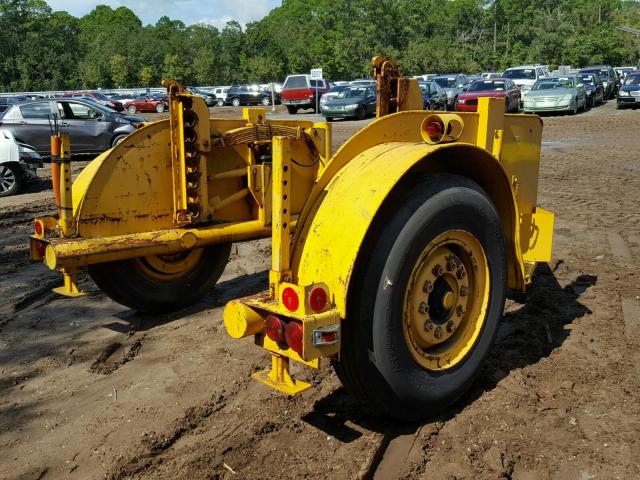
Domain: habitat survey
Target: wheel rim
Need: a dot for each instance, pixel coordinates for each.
(7, 179)
(132, 110)
(168, 267)
(446, 300)
(266, 101)
(236, 102)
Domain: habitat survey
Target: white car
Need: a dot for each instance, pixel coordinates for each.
(18, 164)
(525, 76)
(221, 95)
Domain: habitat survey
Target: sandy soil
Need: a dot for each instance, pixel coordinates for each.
(92, 390)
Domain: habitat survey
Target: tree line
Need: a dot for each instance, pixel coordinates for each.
(42, 49)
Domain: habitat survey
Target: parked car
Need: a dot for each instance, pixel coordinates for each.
(332, 93)
(93, 128)
(209, 97)
(609, 77)
(433, 96)
(299, 91)
(145, 103)
(629, 94)
(98, 97)
(556, 94)
(221, 95)
(247, 95)
(525, 76)
(352, 102)
(19, 164)
(495, 87)
(593, 87)
(490, 75)
(623, 72)
(452, 85)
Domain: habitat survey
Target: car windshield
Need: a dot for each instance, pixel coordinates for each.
(98, 106)
(549, 83)
(101, 96)
(353, 92)
(521, 74)
(483, 85)
(587, 79)
(337, 88)
(604, 73)
(445, 82)
(632, 80)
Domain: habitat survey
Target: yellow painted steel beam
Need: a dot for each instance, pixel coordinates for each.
(71, 253)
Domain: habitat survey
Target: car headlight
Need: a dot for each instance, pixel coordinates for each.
(566, 97)
(605, 84)
(353, 106)
(589, 92)
(622, 93)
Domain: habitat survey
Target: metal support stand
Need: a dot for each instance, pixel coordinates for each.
(70, 288)
(279, 378)
(66, 221)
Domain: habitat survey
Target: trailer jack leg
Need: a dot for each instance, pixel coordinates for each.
(279, 378)
(70, 288)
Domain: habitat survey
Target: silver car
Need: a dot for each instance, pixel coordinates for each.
(556, 94)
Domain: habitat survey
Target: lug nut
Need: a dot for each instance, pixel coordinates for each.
(423, 308)
(428, 325)
(427, 287)
(438, 332)
(464, 291)
(437, 270)
(451, 326)
(461, 273)
(459, 310)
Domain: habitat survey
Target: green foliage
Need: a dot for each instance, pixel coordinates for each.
(42, 49)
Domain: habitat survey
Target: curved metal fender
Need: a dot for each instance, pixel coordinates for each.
(329, 243)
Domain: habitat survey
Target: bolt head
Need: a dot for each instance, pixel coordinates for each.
(437, 270)
(423, 308)
(459, 310)
(451, 326)
(428, 325)
(438, 332)
(427, 287)
(461, 273)
(464, 291)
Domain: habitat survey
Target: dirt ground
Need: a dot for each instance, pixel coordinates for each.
(92, 390)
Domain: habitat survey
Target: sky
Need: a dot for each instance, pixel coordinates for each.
(212, 12)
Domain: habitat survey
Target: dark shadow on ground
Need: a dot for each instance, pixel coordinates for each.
(222, 293)
(525, 337)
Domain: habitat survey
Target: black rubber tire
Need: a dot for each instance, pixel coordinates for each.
(117, 139)
(329, 119)
(13, 180)
(292, 110)
(361, 113)
(375, 364)
(125, 283)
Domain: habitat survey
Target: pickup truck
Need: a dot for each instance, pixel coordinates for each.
(299, 91)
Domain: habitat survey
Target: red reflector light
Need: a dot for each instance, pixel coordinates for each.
(41, 249)
(290, 299)
(329, 337)
(293, 334)
(275, 328)
(38, 228)
(317, 299)
(435, 130)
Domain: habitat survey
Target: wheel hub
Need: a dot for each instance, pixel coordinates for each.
(445, 300)
(7, 179)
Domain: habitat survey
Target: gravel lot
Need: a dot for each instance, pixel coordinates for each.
(92, 390)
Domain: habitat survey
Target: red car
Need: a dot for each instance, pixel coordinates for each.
(145, 103)
(494, 87)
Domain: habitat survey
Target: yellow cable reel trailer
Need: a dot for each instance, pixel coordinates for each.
(403, 254)
(153, 218)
